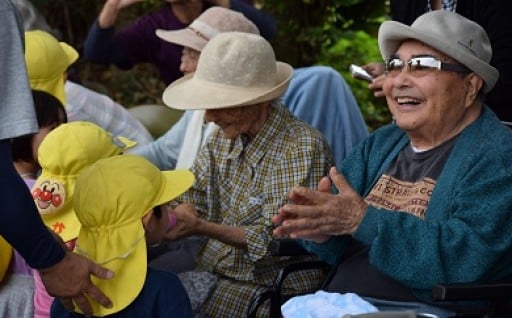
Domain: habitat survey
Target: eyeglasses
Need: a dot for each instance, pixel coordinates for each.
(421, 65)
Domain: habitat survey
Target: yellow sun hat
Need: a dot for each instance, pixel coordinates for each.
(63, 154)
(47, 59)
(111, 197)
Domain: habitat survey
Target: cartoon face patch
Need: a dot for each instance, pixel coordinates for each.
(49, 196)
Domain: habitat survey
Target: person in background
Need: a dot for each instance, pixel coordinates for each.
(64, 274)
(48, 61)
(63, 154)
(493, 16)
(178, 148)
(138, 43)
(426, 200)
(245, 169)
(120, 202)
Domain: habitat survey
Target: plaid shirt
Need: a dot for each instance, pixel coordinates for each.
(244, 186)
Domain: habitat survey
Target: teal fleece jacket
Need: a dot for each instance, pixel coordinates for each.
(466, 235)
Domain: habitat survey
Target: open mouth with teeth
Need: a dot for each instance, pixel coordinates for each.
(408, 101)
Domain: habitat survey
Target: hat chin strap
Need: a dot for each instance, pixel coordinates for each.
(120, 256)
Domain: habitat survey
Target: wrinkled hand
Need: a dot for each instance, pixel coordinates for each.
(70, 279)
(187, 222)
(316, 214)
(377, 71)
(323, 186)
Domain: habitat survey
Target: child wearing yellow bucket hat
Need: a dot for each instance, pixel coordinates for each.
(47, 61)
(120, 203)
(62, 155)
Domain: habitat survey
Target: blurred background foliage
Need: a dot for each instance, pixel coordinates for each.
(326, 32)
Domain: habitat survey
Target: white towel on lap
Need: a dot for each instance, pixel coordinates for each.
(325, 305)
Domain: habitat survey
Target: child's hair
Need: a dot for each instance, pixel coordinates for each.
(49, 112)
(157, 211)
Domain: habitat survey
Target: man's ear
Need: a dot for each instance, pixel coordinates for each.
(474, 84)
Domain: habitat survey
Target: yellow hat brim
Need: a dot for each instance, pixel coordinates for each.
(176, 182)
(64, 223)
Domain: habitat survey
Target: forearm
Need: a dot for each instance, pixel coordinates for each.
(99, 46)
(108, 14)
(20, 223)
(234, 236)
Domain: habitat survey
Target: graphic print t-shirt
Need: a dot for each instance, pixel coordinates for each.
(408, 183)
(406, 186)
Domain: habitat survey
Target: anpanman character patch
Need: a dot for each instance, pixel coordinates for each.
(49, 196)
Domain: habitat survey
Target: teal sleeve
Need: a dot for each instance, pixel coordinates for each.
(329, 251)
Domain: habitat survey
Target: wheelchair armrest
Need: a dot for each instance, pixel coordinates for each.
(286, 247)
(473, 291)
(290, 247)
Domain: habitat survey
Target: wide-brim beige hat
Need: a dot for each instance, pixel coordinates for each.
(211, 22)
(234, 69)
(448, 32)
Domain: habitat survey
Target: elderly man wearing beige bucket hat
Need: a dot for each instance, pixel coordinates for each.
(425, 200)
(245, 169)
(169, 151)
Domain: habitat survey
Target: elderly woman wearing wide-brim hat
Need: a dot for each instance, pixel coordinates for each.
(246, 168)
(425, 200)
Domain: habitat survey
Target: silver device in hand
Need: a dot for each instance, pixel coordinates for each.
(360, 73)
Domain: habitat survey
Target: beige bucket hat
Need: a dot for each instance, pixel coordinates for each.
(449, 33)
(234, 69)
(211, 22)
